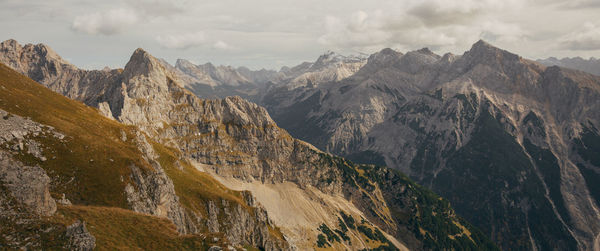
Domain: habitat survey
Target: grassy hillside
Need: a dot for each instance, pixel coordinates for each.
(93, 152)
(116, 228)
(91, 167)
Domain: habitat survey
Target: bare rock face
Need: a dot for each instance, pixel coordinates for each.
(79, 238)
(239, 221)
(154, 194)
(28, 184)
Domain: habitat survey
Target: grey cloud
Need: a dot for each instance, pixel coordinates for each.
(404, 29)
(582, 45)
(182, 41)
(256, 32)
(154, 8)
(587, 39)
(107, 23)
(573, 4)
(438, 13)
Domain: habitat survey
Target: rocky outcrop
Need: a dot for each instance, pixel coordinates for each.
(79, 238)
(28, 184)
(154, 194)
(241, 226)
(24, 189)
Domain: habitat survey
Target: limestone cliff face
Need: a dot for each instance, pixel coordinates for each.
(238, 139)
(29, 185)
(520, 133)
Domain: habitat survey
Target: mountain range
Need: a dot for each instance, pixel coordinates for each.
(132, 158)
(591, 65)
(510, 144)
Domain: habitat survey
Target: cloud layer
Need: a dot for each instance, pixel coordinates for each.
(106, 23)
(272, 33)
(430, 23)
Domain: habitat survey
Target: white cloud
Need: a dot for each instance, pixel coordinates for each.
(107, 23)
(221, 45)
(585, 39)
(182, 41)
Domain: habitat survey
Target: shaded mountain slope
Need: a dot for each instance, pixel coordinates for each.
(515, 136)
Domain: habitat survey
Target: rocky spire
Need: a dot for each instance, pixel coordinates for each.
(484, 53)
(383, 56)
(380, 59)
(183, 63)
(142, 63)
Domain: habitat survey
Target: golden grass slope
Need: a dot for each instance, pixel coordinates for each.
(91, 167)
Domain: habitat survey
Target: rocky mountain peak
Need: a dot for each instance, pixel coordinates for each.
(142, 56)
(10, 43)
(326, 58)
(142, 63)
(384, 53)
(485, 53)
(449, 57)
(418, 58)
(381, 59)
(18, 56)
(384, 56)
(183, 63)
(427, 51)
(332, 58)
(209, 67)
(44, 51)
(241, 112)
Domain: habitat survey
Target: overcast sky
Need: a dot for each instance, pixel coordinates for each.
(273, 33)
